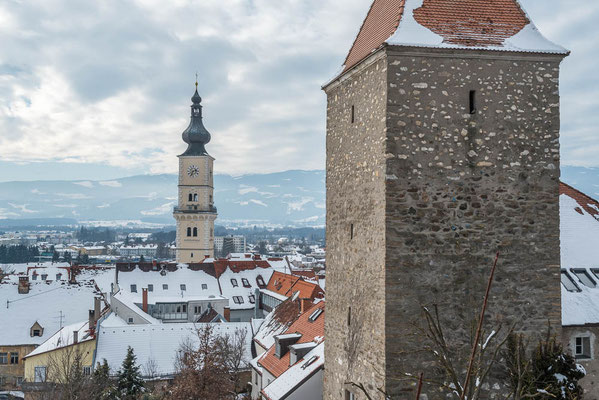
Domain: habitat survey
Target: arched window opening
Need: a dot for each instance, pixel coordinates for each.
(195, 197)
(195, 232)
(188, 232)
(190, 197)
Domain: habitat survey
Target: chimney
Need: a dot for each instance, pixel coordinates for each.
(92, 322)
(96, 309)
(23, 285)
(227, 313)
(144, 299)
(75, 337)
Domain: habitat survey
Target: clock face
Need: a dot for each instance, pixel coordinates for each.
(193, 171)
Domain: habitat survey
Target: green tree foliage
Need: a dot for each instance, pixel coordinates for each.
(103, 387)
(129, 383)
(262, 249)
(96, 235)
(67, 256)
(548, 373)
(18, 254)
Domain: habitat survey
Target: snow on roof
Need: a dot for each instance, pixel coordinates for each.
(47, 303)
(277, 322)
(289, 380)
(21, 268)
(64, 337)
(501, 25)
(103, 277)
(197, 285)
(242, 284)
(579, 241)
(159, 343)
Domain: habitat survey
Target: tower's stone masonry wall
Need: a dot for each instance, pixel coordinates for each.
(460, 187)
(356, 267)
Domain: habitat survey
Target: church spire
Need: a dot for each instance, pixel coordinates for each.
(196, 135)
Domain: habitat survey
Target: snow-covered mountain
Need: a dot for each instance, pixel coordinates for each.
(289, 198)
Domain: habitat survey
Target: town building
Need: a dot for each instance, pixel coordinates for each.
(146, 293)
(579, 234)
(195, 212)
(282, 286)
(292, 366)
(36, 304)
(148, 251)
(442, 149)
(237, 241)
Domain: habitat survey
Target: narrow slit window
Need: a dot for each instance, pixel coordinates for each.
(473, 102)
(349, 316)
(351, 231)
(353, 114)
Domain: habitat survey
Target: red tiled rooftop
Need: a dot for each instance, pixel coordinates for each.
(310, 332)
(470, 23)
(287, 285)
(589, 204)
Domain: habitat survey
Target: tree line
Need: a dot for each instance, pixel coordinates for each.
(18, 254)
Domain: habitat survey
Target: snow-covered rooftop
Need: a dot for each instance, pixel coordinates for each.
(296, 374)
(64, 337)
(50, 303)
(159, 343)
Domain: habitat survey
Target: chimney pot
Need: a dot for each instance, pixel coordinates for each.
(75, 337)
(96, 309)
(92, 324)
(227, 314)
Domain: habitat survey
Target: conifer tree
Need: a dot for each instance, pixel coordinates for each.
(102, 386)
(129, 383)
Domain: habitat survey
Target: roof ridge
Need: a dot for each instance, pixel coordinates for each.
(579, 192)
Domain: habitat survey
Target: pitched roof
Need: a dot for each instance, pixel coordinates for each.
(478, 24)
(286, 285)
(311, 331)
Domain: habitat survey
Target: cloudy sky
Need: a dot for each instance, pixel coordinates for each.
(100, 89)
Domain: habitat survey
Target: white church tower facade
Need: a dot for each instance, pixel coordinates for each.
(195, 213)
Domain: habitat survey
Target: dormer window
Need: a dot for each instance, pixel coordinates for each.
(44, 277)
(34, 277)
(234, 282)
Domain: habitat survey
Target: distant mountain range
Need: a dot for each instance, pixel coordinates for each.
(289, 198)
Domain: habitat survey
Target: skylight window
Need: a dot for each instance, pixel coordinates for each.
(150, 287)
(309, 362)
(260, 280)
(204, 286)
(315, 315)
(234, 282)
(164, 286)
(252, 298)
(569, 283)
(183, 286)
(238, 299)
(584, 277)
(133, 288)
(245, 282)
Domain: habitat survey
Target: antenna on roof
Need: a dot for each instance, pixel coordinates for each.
(196, 80)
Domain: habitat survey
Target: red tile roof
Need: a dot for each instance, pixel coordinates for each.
(471, 23)
(589, 204)
(311, 331)
(287, 285)
(380, 23)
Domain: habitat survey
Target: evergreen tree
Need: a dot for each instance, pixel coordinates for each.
(67, 256)
(262, 249)
(78, 259)
(129, 383)
(142, 259)
(102, 386)
(85, 259)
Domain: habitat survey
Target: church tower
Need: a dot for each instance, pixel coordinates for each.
(442, 149)
(195, 213)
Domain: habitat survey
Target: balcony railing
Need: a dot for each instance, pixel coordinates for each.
(194, 209)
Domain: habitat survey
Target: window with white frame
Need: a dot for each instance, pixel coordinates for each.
(582, 347)
(238, 299)
(234, 282)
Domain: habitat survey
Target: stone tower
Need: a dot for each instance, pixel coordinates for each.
(442, 149)
(195, 213)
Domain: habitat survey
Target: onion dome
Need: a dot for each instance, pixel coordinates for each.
(196, 135)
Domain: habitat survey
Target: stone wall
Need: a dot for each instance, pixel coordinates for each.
(590, 383)
(461, 187)
(354, 351)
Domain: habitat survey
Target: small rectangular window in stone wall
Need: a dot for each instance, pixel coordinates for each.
(583, 347)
